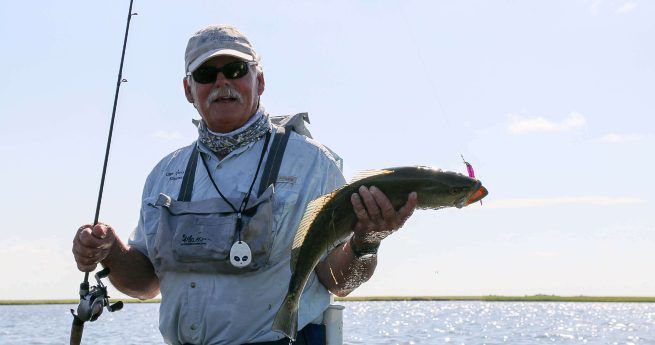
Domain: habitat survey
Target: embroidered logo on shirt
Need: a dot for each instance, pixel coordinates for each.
(189, 240)
(175, 175)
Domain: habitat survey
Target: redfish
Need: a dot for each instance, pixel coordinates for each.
(330, 219)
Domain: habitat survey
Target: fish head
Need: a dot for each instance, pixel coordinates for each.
(443, 189)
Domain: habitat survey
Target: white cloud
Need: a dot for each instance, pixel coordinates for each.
(519, 124)
(621, 138)
(627, 7)
(579, 200)
(164, 135)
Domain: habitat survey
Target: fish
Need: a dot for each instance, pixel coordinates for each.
(330, 219)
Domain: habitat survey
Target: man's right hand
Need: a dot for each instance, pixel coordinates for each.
(92, 244)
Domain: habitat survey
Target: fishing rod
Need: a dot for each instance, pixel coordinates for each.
(94, 298)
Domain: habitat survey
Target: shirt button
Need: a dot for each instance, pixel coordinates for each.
(193, 327)
(193, 285)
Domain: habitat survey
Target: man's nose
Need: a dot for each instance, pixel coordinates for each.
(221, 80)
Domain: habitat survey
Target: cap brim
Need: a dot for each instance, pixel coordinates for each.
(222, 52)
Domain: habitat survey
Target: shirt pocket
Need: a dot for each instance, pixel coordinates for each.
(286, 216)
(203, 237)
(286, 195)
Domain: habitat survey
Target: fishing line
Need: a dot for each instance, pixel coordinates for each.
(419, 53)
(93, 299)
(436, 99)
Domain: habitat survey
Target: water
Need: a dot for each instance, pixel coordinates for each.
(499, 323)
(378, 323)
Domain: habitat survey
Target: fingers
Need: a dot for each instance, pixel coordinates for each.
(372, 206)
(384, 205)
(100, 231)
(86, 258)
(105, 234)
(85, 264)
(406, 211)
(370, 202)
(376, 215)
(87, 238)
(91, 245)
(358, 207)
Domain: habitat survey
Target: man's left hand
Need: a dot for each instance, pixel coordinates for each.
(377, 217)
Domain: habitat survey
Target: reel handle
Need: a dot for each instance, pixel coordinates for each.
(104, 273)
(115, 307)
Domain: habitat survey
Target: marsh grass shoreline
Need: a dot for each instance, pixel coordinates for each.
(489, 298)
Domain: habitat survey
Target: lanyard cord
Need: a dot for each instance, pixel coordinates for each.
(244, 202)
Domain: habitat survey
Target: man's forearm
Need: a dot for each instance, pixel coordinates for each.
(131, 272)
(342, 272)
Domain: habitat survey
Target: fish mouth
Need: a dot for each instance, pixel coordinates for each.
(479, 192)
(477, 195)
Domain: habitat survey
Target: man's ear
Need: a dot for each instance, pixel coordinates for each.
(187, 90)
(261, 83)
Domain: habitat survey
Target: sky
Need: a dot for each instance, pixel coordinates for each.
(550, 101)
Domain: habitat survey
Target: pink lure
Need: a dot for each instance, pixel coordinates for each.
(469, 167)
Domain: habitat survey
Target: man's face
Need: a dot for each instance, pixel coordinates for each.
(216, 102)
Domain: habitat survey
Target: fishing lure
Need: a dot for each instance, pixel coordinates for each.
(469, 169)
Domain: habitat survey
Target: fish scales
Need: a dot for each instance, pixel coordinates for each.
(330, 219)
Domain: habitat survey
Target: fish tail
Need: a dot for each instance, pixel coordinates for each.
(286, 319)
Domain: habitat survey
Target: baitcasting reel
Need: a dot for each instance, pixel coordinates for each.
(93, 300)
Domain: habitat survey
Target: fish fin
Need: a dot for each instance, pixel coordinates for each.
(368, 173)
(306, 222)
(286, 319)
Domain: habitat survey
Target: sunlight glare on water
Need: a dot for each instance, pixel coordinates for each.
(498, 323)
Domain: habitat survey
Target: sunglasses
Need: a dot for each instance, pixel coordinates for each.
(232, 70)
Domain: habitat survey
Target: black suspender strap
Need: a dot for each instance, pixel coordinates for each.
(189, 176)
(274, 159)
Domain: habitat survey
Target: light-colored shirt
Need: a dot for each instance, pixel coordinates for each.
(238, 308)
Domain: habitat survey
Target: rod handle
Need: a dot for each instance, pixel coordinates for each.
(77, 328)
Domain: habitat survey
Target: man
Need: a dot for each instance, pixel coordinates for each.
(207, 299)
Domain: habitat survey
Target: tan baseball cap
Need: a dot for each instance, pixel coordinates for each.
(216, 40)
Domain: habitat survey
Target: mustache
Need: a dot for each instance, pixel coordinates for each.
(224, 92)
